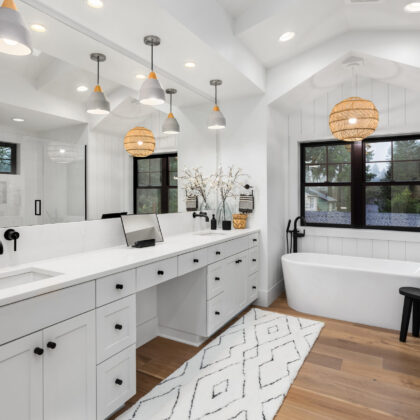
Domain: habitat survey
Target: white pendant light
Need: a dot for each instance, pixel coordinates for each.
(97, 103)
(15, 38)
(171, 126)
(151, 92)
(216, 121)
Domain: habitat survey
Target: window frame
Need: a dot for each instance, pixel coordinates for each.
(13, 159)
(357, 183)
(164, 188)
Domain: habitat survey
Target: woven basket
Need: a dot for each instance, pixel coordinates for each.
(239, 221)
(362, 110)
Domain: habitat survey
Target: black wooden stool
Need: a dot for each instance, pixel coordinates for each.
(411, 299)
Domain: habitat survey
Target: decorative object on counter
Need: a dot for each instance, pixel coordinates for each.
(15, 38)
(191, 203)
(141, 228)
(145, 243)
(354, 118)
(213, 223)
(151, 92)
(239, 220)
(213, 381)
(171, 126)
(216, 121)
(64, 153)
(139, 142)
(97, 103)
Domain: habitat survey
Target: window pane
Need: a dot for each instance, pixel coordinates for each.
(143, 165)
(173, 200)
(148, 201)
(378, 172)
(393, 206)
(378, 151)
(156, 179)
(316, 173)
(5, 166)
(173, 163)
(339, 153)
(315, 154)
(173, 182)
(407, 150)
(5, 152)
(339, 173)
(155, 165)
(407, 171)
(329, 205)
(143, 179)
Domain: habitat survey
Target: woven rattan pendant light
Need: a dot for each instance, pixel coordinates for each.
(354, 118)
(140, 142)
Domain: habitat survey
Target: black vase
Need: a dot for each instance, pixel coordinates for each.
(226, 225)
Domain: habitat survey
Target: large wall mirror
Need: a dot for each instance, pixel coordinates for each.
(60, 164)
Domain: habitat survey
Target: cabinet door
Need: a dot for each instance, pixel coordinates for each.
(70, 369)
(21, 379)
(241, 280)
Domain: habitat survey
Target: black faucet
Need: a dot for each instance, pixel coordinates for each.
(295, 234)
(12, 235)
(201, 214)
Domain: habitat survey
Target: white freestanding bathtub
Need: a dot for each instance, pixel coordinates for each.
(355, 289)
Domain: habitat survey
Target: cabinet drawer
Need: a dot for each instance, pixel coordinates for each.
(216, 313)
(116, 379)
(237, 245)
(152, 274)
(254, 239)
(192, 261)
(252, 291)
(216, 253)
(116, 327)
(254, 260)
(215, 279)
(115, 287)
(25, 317)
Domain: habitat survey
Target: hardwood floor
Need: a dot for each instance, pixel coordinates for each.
(353, 371)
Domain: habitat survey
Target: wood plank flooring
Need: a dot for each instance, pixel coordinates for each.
(353, 371)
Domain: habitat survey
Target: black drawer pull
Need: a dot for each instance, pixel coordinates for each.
(217, 313)
(254, 287)
(38, 351)
(119, 286)
(238, 261)
(254, 260)
(196, 260)
(118, 327)
(254, 240)
(161, 273)
(51, 345)
(217, 278)
(218, 252)
(118, 381)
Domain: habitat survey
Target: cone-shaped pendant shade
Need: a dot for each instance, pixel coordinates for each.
(171, 126)
(15, 38)
(217, 120)
(151, 92)
(97, 103)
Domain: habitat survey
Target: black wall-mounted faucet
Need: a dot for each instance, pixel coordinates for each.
(12, 235)
(201, 214)
(295, 234)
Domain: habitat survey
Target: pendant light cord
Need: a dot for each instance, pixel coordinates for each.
(170, 102)
(97, 76)
(215, 94)
(152, 57)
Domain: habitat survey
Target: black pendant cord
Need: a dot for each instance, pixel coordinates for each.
(170, 103)
(215, 94)
(97, 77)
(152, 58)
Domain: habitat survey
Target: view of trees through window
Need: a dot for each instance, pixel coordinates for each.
(8, 157)
(383, 176)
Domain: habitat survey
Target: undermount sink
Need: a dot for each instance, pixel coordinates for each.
(210, 233)
(24, 276)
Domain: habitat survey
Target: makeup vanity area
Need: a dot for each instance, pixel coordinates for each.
(68, 331)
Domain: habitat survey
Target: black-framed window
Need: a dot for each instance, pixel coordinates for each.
(370, 184)
(8, 158)
(155, 184)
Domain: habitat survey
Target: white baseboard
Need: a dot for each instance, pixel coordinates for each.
(267, 297)
(147, 331)
(181, 336)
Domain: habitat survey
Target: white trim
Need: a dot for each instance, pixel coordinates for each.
(147, 331)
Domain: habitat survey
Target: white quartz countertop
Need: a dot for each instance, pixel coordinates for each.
(78, 268)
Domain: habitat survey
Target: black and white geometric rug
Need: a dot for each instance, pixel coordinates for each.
(243, 374)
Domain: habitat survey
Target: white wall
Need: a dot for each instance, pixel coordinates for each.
(399, 109)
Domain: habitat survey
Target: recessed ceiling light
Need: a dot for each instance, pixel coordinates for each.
(97, 4)
(140, 76)
(15, 119)
(413, 7)
(36, 27)
(82, 88)
(287, 36)
(189, 64)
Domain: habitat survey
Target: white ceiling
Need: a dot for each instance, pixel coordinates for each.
(236, 7)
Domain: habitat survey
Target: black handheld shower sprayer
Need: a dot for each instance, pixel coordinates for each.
(292, 244)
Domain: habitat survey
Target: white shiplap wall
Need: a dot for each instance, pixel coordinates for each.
(399, 111)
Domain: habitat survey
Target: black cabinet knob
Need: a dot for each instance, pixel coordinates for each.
(118, 326)
(217, 313)
(238, 261)
(254, 240)
(196, 260)
(38, 351)
(254, 260)
(161, 273)
(218, 252)
(119, 286)
(119, 381)
(51, 345)
(217, 278)
(254, 287)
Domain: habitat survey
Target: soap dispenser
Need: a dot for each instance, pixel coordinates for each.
(213, 224)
